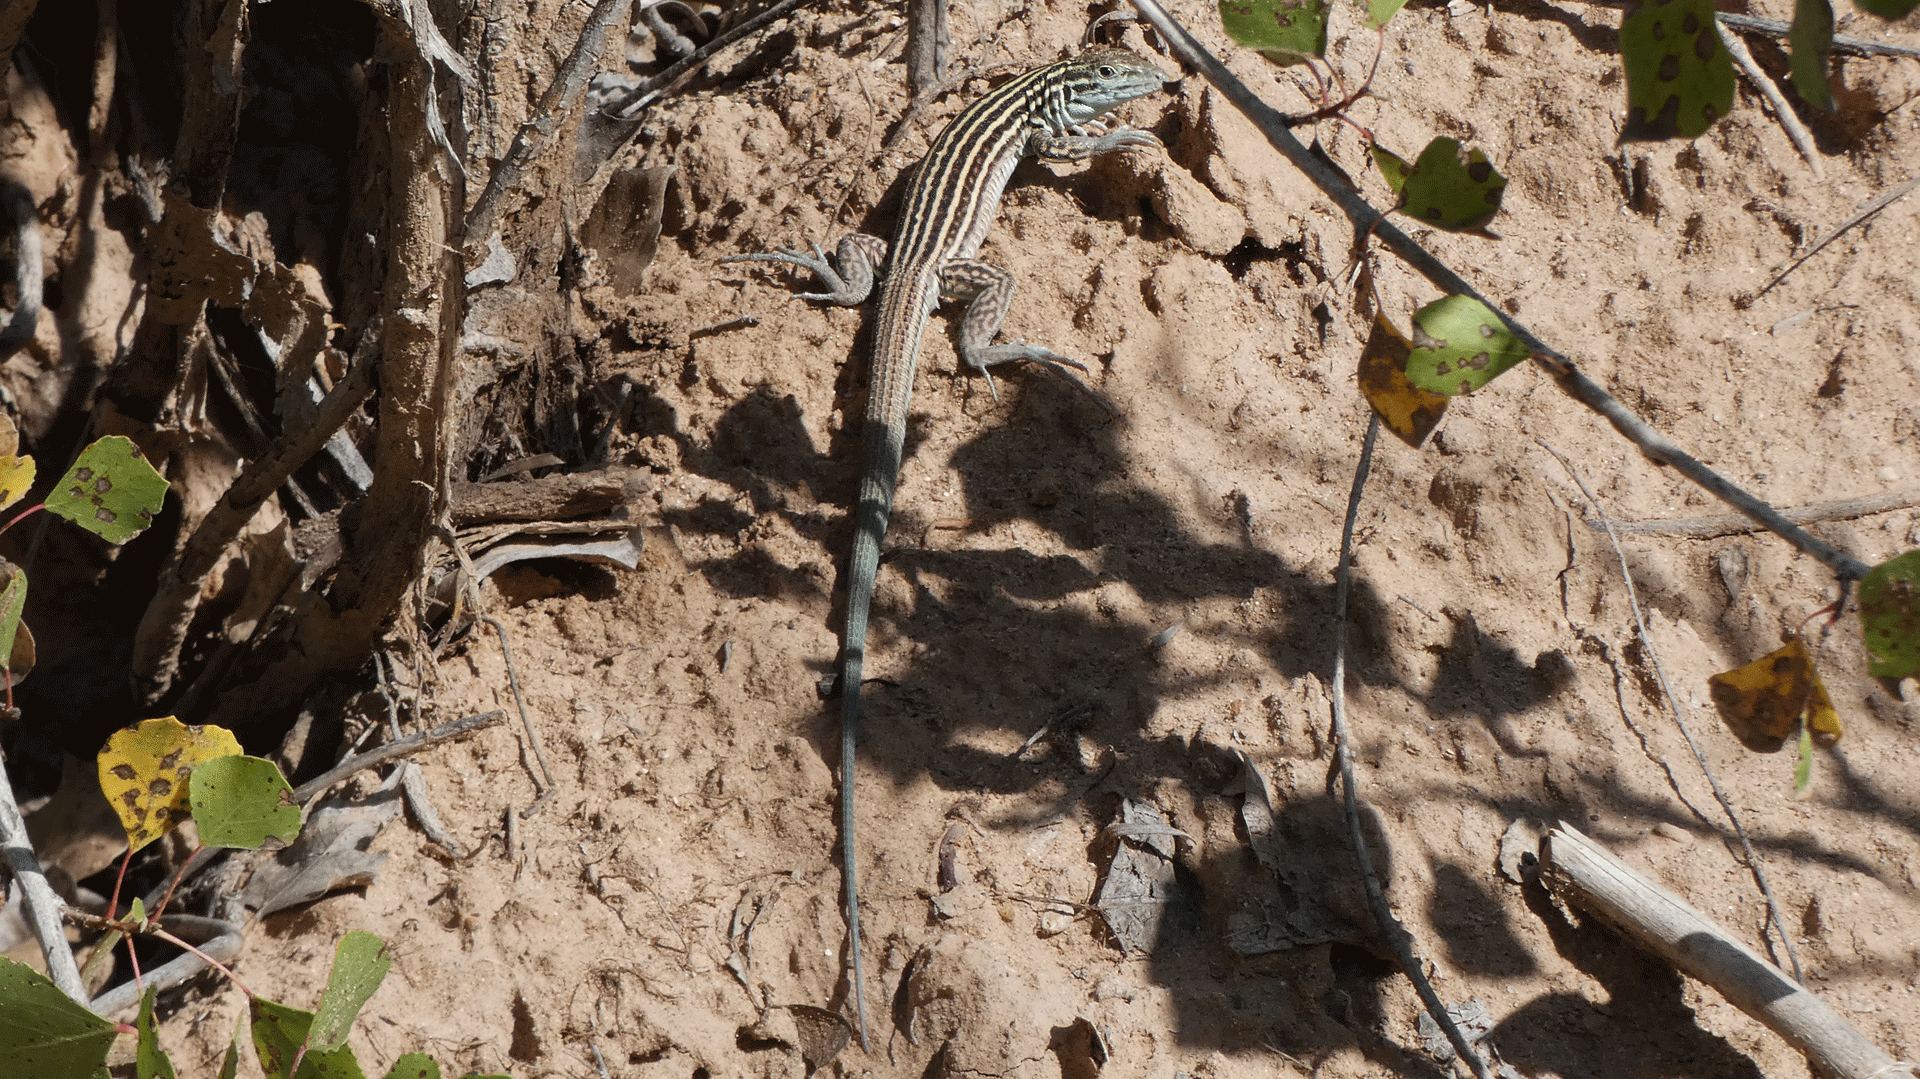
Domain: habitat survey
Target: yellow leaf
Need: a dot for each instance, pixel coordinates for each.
(1764, 702)
(1406, 409)
(16, 476)
(144, 769)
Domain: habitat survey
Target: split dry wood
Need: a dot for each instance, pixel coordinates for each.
(1584, 874)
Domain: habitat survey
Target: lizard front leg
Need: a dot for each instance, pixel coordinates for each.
(860, 256)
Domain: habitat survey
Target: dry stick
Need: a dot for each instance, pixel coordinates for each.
(43, 904)
(1368, 219)
(163, 628)
(1847, 43)
(674, 76)
(533, 737)
(1789, 121)
(1862, 214)
(17, 210)
(1728, 524)
(1390, 927)
(1673, 703)
(555, 104)
(928, 43)
(1579, 871)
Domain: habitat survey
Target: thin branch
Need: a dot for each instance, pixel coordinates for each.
(1367, 219)
(526, 721)
(43, 905)
(553, 108)
(1782, 113)
(1390, 927)
(1673, 705)
(400, 747)
(1728, 524)
(1860, 215)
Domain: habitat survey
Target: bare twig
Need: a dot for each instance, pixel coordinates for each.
(1390, 927)
(1728, 524)
(43, 905)
(1860, 215)
(402, 747)
(1368, 219)
(17, 212)
(1782, 112)
(526, 721)
(537, 131)
(1679, 720)
(163, 628)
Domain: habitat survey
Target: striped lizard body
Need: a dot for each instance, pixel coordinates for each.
(1049, 112)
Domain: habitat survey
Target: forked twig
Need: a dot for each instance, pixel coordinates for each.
(1673, 704)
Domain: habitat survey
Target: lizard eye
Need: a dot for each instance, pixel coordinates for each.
(1108, 71)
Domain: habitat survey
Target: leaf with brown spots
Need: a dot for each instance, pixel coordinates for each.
(144, 770)
(1679, 76)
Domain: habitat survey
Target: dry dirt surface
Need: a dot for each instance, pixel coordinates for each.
(1153, 589)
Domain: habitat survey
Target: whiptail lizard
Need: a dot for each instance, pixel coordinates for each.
(1049, 113)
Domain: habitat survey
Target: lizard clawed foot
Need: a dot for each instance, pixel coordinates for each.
(984, 359)
(817, 262)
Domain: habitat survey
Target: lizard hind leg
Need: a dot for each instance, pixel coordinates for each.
(989, 292)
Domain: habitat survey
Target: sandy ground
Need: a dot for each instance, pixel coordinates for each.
(681, 885)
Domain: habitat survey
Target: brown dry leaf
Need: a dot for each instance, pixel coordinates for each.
(1763, 702)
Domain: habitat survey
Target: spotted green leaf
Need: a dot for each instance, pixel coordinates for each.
(1890, 617)
(1380, 11)
(1284, 31)
(1459, 345)
(414, 1066)
(1679, 76)
(42, 1031)
(110, 491)
(1393, 168)
(1452, 188)
(241, 801)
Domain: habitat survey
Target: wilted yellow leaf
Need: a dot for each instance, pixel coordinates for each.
(144, 769)
(1764, 702)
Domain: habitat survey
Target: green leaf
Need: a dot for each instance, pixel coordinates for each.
(1459, 346)
(1887, 9)
(1679, 76)
(43, 1032)
(359, 964)
(1379, 12)
(150, 1061)
(240, 801)
(1890, 617)
(17, 651)
(1452, 188)
(278, 1034)
(1392, 166)
(1811, 37)
(1284, 31)
(230, 1063)
(414, 1066)
(110, 491)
